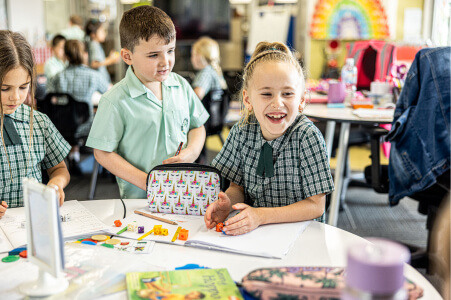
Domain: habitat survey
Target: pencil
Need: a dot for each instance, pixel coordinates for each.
(155, 217)
(179, 148)
(122, 230)
(176, 234)
(144, 235)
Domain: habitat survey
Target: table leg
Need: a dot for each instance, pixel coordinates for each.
(330, 131)
(95, 173)
(339, 173)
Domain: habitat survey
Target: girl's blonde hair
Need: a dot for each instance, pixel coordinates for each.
(209, 50)
(15, 52)
(264, 52)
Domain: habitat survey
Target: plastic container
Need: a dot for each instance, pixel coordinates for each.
(349, 78)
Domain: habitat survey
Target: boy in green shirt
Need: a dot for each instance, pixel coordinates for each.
(142, 120)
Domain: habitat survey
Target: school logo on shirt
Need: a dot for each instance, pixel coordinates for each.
(184, 128)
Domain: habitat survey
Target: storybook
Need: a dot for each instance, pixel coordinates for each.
(78, 221)
(182, 284)
(255, 243)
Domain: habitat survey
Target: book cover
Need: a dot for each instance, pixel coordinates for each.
(182, 284)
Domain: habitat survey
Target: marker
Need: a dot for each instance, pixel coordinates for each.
(176, 234)
(144, 235)
(122, 230)
(180, 148)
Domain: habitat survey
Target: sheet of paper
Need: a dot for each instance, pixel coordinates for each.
(82, 222)
(368, 113)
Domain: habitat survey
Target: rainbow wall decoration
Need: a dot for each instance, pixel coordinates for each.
(349, 19)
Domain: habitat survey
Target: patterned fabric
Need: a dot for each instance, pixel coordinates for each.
(208, 79)
(185, 192)
(96, 53)
(301, 166)
(142, 129)
(73, 33)
(49, 149)
(81, 82)
(53, 66)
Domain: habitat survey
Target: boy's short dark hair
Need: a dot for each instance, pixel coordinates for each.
(74, 50)
(143, 22)
(57, 39)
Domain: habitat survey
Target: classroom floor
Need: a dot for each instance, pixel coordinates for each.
(366, 213)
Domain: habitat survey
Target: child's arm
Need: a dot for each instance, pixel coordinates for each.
(112, 58)
(118, 166)
(3, 207)
(218, 211)
(59, 176)
(250, 217)
(196, 140)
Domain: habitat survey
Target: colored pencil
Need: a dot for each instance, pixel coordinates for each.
(144, 235)
(176, 234)
(180, 148)
(155, 217)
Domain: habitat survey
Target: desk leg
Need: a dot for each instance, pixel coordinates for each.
(330, 131)
(95, 173)
(339, 173)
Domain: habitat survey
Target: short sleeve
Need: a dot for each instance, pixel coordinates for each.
(203, 80)
(107, 128)
(102, 83)
(56, 147)
(228, 160)
(315, 168)
(197, 111)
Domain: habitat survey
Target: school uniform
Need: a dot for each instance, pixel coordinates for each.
(300, 166)
(73, 33)
(53, 66)
(208, 79)
(49, 149)
(96, 53)
(142, 129)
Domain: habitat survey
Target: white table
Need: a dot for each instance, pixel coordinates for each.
(345, 117)
(318, 245)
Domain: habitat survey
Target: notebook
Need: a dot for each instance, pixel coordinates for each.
(255, 243)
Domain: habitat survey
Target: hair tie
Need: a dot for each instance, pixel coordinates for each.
(273, 49)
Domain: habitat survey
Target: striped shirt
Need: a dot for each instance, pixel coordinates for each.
(301, 165)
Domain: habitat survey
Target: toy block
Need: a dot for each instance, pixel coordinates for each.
(183, 235)
(118, 223)
(140, 229)
(219, 227)
(164, 231)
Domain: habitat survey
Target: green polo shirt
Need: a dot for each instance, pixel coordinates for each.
(143, 130)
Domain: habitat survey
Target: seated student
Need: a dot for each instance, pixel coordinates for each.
(80, 82)
(275, 158)
(141, 121)
(97, 34)
(57, 62)
(29, 140)
(205, 58)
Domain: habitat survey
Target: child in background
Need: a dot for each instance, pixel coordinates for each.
(97, 34)
(81, 82)
(205, 58)
(57, 62)
(275, 158)
(141, 121)
(29, 139)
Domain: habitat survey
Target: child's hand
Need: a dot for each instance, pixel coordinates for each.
(218, 211)
(247, 220)
(3, 207)
(114, 57)
(185, 156)
(59, 193)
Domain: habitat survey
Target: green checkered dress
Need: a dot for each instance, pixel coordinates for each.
(301, 165)
(208, 79)
(49, 149)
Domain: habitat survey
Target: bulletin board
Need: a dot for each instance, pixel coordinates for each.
(349, 19)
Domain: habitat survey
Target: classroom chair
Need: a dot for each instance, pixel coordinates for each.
(216, 102)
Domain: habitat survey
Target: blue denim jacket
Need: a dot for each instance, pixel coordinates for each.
(420, 135)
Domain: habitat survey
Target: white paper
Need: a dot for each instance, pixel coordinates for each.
(369, 113)
(82, 222)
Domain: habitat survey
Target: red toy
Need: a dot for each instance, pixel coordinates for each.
(183, 234)
(219, 227)
(117, 223)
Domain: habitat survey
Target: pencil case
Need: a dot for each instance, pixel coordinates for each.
(307, 283)
(184, 188)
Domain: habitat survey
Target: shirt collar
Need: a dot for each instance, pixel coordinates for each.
(22, 113)
(137, 88)
(278, 143)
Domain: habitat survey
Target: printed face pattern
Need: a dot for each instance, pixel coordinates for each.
(182, 192)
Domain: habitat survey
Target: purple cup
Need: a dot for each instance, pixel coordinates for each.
(337, 92)
(377, 268)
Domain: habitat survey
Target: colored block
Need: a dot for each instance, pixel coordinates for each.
(164, 231)
(117, 223)
(140, 229)
(183, 235)
(219, 227)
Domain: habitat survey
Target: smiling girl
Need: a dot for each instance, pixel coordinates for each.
(29, 140)
(275, 158)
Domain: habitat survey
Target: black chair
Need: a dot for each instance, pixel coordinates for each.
(66, 113)
(216, 102)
